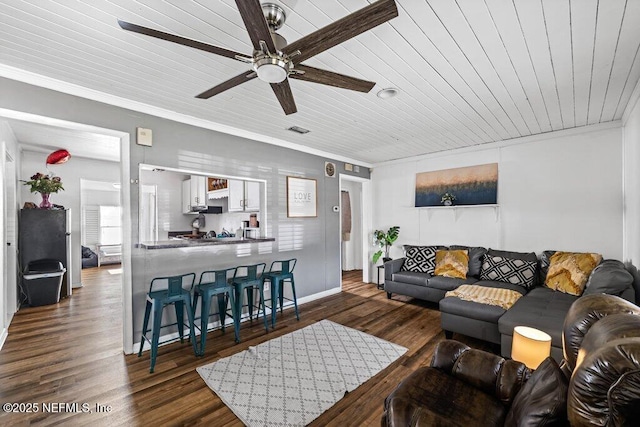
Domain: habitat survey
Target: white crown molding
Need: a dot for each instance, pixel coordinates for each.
(32, 78)
(508, 142)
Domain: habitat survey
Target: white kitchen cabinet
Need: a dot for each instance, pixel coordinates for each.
(236, 195)
(251, 196)
(244, 196)
(194, 193)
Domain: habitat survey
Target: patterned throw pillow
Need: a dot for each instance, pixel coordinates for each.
(508, 270)
(420, 259)
(452, 263)
(569, 271)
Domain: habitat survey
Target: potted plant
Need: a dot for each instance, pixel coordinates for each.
(447, 199)
(385, 241)
(45, 185)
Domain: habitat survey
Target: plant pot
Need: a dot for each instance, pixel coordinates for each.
(45, 204)
(447, 203)
(385, 259)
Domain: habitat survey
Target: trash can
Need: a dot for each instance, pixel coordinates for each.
(42, 281)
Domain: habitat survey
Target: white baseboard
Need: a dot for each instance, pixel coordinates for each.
(166, 339)
(3, 337)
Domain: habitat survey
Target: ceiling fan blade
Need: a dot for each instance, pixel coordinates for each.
(256, 24)
(182, 40)
(342, 30)
(316, 75)
(237, 80)
(284, 95)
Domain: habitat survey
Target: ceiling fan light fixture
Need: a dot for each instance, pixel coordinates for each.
(387, 93)
(271, 73)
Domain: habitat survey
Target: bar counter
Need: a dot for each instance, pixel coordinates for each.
(187, 243)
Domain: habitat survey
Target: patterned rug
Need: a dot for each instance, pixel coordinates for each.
(291, 380)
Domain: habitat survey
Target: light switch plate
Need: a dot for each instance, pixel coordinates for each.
(144, 137)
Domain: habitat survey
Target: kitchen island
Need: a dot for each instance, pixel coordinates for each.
(188, 243)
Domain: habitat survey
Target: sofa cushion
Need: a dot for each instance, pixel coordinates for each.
(510, 270)
(543, 309)
(448, 283)
(452, 263)
(411, 277)
(474, 310)
(569, 271)
(609, 277)
(471, 310)
(542, 401)
(420, 259)
(476, 255)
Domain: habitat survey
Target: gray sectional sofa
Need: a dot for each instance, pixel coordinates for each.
(539, 307)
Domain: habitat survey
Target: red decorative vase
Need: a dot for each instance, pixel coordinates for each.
(46, 204)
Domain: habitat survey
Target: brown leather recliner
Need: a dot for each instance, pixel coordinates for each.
(598, 385)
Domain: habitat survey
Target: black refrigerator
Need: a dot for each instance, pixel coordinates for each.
(45, 234)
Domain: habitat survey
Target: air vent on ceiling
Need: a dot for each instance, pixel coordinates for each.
(298, 129)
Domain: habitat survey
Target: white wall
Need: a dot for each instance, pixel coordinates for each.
(8, 237)
(631, 136)
(71, 173)
(352, 249)
(559, 191)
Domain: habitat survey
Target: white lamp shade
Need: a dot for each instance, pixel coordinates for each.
(530, 346)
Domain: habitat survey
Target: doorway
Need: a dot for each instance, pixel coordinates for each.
(98, 138)
(355, 222)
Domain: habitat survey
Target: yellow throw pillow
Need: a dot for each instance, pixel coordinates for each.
(452, 263)
(569, 272)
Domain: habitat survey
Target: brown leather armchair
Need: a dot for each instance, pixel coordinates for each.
(598, 385)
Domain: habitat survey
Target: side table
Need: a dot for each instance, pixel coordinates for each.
(380, 285)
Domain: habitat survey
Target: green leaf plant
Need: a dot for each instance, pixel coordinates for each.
(384, 241)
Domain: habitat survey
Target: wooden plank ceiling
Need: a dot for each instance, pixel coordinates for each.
(468, 71)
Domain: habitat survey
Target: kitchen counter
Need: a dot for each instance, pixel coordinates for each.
(186, 243)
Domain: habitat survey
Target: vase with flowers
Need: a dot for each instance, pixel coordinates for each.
(45, 185)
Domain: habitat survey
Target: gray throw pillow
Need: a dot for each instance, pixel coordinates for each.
(476, 255)
(542, 400)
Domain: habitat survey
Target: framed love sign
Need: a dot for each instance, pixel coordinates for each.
(302, 197)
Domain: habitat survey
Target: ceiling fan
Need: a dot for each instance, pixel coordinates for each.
(273, 60)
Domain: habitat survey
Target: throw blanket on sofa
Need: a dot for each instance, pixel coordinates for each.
(504, 298)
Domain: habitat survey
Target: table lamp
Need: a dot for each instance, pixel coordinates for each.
(530, 346)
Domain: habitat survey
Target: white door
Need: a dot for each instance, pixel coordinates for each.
(236, 195)
(252, 196)
(10, 236)
(3, 273)
(186, 196)
(198, 186)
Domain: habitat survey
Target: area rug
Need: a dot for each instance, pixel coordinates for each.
(291, 380)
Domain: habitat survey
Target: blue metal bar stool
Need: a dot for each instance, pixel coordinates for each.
(279, 273)
(175, 294)
(248, 278)
(215, 282)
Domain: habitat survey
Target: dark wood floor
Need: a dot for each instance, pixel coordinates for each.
(72, 353)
